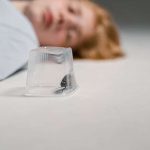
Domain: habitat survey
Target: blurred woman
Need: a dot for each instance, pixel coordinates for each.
(80, 24)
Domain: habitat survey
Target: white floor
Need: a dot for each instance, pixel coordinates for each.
(109, 111)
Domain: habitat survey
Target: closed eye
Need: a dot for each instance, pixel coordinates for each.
(69, 37)
(74, 7)
(71, 10)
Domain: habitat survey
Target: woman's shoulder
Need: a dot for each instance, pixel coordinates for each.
(17, 38)
(11, 18)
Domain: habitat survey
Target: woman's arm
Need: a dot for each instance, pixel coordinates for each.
(17, 38)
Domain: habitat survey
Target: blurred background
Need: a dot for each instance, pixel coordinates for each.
(133, 19)
(129, 13)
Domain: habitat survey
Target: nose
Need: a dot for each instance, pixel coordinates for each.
(67, 20)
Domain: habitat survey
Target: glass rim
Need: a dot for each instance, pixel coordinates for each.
(52, 49)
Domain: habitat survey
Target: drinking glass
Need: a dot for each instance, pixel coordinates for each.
(50, 72)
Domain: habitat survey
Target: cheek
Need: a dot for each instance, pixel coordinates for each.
(54, 38)
(58, 37)
(34, 13)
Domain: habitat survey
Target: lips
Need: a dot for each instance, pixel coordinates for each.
(48, 18)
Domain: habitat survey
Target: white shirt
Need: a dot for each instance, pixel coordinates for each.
(17, 38)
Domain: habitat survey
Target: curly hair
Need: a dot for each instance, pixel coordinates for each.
(105, 43)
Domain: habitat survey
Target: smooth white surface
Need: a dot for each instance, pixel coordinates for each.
(109, 111)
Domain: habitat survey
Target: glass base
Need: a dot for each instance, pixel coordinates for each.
(49, 91)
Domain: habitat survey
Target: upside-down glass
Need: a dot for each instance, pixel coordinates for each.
(50, 72)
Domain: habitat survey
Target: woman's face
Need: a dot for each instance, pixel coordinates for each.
(61, 22)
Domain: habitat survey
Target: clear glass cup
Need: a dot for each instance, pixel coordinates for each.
(50, 72)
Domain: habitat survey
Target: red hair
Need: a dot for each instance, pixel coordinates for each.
(105, 43)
